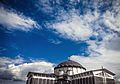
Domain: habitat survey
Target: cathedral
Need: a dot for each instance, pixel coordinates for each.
(71, 72)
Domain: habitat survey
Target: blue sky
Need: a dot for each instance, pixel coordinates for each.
(39, 43)
(45, 32)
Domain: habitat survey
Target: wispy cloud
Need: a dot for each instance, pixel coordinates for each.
(112, 20)
(73, 29)
(78, 27)
(14, 20)
(72, 25)
(55, 41)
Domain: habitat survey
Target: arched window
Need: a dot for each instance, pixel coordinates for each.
(61, 72)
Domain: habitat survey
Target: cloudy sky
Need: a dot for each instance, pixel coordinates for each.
(36, 35)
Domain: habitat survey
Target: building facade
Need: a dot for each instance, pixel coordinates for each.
(71, 72)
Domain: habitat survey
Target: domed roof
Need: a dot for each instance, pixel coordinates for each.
(69, 63)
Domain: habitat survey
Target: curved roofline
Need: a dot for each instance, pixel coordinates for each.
(69, 66)
(62, 64)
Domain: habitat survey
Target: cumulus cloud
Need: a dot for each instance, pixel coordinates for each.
(4, 61)
(21, 71)
(12, 20)
(14, 69)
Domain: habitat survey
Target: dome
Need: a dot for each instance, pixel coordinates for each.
(69, 63)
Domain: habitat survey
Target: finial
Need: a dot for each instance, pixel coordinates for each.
(102, 67)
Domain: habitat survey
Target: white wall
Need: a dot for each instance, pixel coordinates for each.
(70, 70)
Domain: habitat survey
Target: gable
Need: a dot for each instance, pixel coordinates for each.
(103, 74)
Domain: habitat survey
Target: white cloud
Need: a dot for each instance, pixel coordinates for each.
(112, 20)
(73, 26)
(13, 20)
(5, 61)
(48, 6)
(20, 71)
(55, 41)
(45, 6)
(107, 57)
(113, 44)
(10, 69)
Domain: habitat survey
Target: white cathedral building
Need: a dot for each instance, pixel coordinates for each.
(71, 72)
